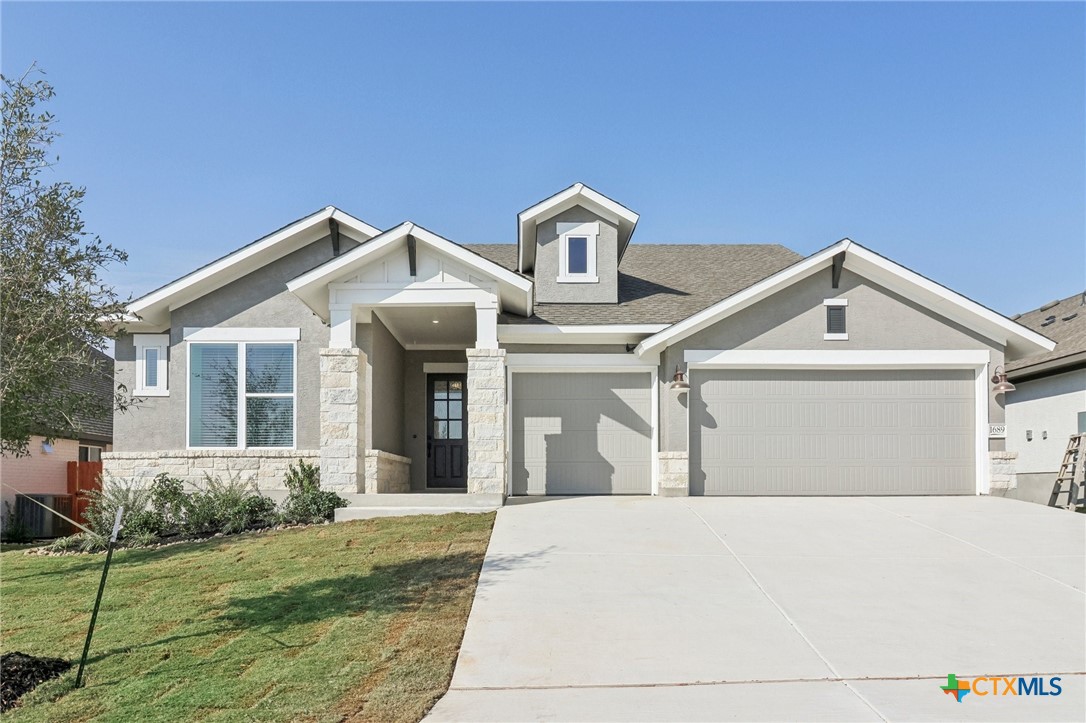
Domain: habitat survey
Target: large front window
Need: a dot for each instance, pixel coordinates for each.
(258, 411)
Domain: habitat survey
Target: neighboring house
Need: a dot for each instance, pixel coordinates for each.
(43, 474)
(401, 361)
(1048, 404)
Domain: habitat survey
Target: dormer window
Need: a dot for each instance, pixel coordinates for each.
(577, 253)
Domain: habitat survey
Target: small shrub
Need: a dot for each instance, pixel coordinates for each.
(66, 544)
(16, 531)
(169, 500)
(306, 501)
(104, 503)
(83, 542)
(226, 506)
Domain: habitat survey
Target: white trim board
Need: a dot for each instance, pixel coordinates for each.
(587, 334)
(225, 333)
(578, 362)
(833, 359)
(1018, 339)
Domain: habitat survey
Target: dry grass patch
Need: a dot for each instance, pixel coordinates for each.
(355, 621)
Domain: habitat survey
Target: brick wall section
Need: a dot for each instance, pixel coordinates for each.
(265, 467)
(486, 421)
(1003, 471)
(674, 474)
(343, 419)
(387, 473)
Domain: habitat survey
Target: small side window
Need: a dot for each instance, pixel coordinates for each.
(577, 253)
(836, 327)
(151, 366)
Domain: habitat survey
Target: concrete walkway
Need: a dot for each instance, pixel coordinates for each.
(835, 609)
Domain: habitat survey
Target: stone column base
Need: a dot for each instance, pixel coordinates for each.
(486, 421)
(674, 474)
(1002, 472)
(343, 419)
(387, 473)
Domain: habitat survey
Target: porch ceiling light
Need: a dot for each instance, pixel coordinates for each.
(678, 382)
(999, 379)
(435, 321)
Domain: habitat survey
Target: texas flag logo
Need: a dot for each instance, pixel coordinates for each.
(957, 688)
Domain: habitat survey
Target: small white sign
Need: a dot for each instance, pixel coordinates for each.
(997, 431)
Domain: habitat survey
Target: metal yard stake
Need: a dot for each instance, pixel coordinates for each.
(98, 600)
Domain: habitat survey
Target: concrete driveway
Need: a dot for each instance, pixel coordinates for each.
(835, 609)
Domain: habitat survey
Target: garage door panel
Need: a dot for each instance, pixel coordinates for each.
(585, 433)
(832, 432)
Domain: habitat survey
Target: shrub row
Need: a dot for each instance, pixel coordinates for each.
(166, 508)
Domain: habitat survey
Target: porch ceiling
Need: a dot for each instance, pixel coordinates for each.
(414, 327)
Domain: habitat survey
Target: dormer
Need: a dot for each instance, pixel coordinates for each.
(572, 244)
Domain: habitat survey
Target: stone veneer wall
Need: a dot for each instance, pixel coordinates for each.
(343, 419)
(387, 473)
(265, 467)
(1002, 471)
(674, 474)
(486, 421)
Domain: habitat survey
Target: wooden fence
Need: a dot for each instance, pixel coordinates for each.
(83, 477)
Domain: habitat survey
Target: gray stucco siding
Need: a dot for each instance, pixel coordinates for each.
(385, 379)
(547, 287)
(795, 318)
(257, 300)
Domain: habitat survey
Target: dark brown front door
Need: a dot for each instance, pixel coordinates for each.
(447, 430)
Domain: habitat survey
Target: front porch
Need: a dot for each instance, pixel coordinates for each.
(412, 383)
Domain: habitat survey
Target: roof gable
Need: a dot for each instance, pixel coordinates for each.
(374, 262)
(576, 195)
(1018, 339)
(152, 311)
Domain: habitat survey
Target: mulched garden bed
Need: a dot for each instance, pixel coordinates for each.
(21, 673)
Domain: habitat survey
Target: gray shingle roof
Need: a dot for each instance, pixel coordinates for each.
(1067, 329)
(660, 283)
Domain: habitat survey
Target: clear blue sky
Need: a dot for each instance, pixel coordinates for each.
(949, 137)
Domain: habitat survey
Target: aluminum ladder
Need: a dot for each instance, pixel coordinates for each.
(1069, 480)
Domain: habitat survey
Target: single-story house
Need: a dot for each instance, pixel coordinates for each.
(1048, 403)
(43, 473)
(572, 362)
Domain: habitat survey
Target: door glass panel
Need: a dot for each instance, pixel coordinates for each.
(456, 430)
(441, 430)
(441, 410)
(441, 390)
(455, 410)
(456, 390)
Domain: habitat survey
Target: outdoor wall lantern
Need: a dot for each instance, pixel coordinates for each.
(999, 379)
(678, 382)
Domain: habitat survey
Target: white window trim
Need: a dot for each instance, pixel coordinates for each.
(226, 334)
(161, 343)
(840, 336)
(590, 231)
(242, 394)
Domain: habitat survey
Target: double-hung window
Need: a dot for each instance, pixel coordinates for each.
(252, 409)
(577, 252)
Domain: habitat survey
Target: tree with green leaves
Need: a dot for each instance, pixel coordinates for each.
(52, 295)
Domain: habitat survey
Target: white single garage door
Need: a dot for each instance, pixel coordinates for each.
(581, 433)
(830, 432)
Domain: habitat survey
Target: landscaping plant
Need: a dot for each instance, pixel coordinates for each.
(306, 501)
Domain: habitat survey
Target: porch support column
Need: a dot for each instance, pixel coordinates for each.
(343, 419)
(486, 421)
(486, 325)
(341, 319)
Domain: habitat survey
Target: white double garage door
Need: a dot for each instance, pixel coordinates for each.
(752, 432)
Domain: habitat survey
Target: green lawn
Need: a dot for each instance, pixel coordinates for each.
(353, 621)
